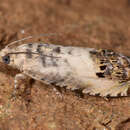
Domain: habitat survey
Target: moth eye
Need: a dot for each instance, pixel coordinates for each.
(6, 59)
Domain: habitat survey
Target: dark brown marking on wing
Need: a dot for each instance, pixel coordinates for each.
(57, 50)
(29, 53)
(112, 65)
(100, 74)
(54, 61)
(39, 48)
(103, 67)
(70, 52)
(30, 45)
(43, 59)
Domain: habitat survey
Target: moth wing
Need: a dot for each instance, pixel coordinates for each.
(105, 89)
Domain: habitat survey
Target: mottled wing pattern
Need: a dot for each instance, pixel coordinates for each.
(113, 66)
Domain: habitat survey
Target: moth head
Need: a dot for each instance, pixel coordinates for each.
(17, 56)
(7, 57)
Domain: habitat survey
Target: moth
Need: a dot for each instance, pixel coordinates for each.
(95, 72)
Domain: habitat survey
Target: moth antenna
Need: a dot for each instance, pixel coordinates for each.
(30, 37)
(23, 39)
(22, 52)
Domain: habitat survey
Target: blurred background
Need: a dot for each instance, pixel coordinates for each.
(88, 23)
(92, 23)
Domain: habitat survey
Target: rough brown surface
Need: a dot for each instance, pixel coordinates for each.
(91, 23)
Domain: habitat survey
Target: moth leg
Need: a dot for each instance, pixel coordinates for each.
(20, 84)
(18, 77)
(58, 92)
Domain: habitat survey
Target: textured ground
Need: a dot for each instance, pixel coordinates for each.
(90, 23)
